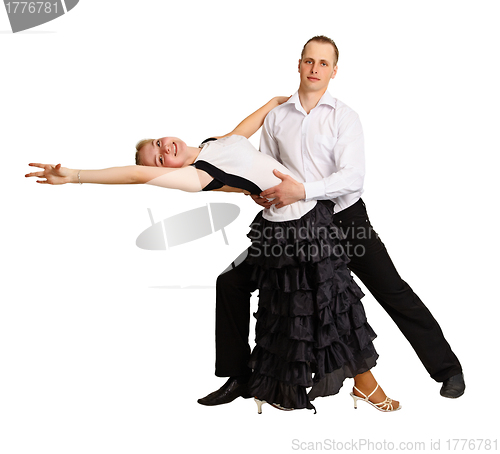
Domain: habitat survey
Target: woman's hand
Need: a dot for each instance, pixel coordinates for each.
(53, 174)
(281, 99)
(254, 121)
(263, 202)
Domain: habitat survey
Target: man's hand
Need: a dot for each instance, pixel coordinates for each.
(287, 192)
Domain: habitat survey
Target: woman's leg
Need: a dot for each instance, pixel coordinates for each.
(366, 383)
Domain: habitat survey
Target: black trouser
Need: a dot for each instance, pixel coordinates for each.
(371, 263)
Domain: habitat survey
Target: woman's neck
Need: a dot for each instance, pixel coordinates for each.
(192, 153)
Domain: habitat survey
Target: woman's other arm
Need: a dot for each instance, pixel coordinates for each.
(250, 125)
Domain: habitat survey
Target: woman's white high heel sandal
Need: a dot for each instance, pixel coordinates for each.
(386, 405)
(278, 406)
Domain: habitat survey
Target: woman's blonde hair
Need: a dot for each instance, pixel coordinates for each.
(138, 147)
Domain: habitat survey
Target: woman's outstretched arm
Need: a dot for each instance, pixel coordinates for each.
(185, 178)
(250, 125)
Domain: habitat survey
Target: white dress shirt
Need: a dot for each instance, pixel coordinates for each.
(325, 148)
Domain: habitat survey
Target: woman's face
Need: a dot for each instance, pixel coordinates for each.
(164, 152)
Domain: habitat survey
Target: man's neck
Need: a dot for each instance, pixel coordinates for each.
(310, 99)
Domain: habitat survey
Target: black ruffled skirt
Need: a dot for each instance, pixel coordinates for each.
(311, 329)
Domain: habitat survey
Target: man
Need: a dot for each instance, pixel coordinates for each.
(319, 138)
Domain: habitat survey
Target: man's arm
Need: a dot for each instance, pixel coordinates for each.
(289, 190)
(350, 156)
(269, 146)
(350, 160)
(268, 143)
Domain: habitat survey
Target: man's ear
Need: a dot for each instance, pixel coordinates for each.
(299, 65)
(334, 72)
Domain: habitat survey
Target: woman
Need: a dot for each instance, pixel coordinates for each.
(311, 329)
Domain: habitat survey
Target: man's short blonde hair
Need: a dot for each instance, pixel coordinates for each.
(325, 40)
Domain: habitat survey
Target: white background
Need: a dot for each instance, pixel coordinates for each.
(93, 356)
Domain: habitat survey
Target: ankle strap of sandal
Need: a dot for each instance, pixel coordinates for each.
(364, 395)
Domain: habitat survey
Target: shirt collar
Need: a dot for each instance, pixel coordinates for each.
(327, 99)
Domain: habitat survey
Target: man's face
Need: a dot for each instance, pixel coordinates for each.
(164, 152)
(316, 67)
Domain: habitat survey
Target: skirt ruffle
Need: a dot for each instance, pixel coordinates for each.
(311, 328)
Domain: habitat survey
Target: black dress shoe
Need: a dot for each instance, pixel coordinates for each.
(227, 393)
(453, 387)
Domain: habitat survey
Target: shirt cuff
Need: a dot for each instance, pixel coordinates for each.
(314, 189)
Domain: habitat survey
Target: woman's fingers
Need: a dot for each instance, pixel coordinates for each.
(49, 170)
(36, 174)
